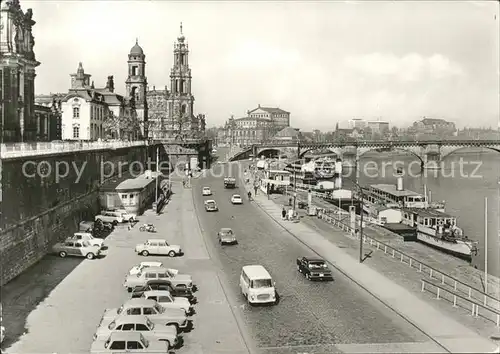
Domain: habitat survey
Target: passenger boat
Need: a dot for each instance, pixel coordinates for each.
(440, 230)
(301, 173)
(324, 168)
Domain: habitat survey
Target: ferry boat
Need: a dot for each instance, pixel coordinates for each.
(300, 173)
(440, 230)
(324, 168)
(395, 196)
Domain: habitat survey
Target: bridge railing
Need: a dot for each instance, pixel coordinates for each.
(381, 143)
(332, 216)
(13, 150)
(179, 141)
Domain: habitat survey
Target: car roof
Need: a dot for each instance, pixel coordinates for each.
(226, 229)
(82, 234)
(311, 259)
(139, 302)
(206, 187)
(210, 201)
(156, 269)
(151, 262)
(157, 293)
(156, 240)
(236, 195)
(131, 319)
(256, 271)
(125, 335)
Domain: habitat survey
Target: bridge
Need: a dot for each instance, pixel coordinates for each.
(430, 152)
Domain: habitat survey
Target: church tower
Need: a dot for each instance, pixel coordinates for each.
(181, 101)
(136, 84)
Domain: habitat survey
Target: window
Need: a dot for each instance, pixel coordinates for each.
(155, 298)
(149, 311)
(134, 345)
(162, 275)
(78, 244)
(124, 196)
(151, 275)
(131, 196)
(135, 70)
(141, 327)
(134, 311)
(76, 112)
(118, 345)
(76, 132)
(164, 299)
(128, 327)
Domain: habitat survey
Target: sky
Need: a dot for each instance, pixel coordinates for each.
(325, 62)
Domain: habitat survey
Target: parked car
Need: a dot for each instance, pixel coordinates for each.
(77, 249)
(158, 246)
(151, 331)
(127, 217)
(206, 191)
(164, 284)
(152, 273)
(211, 205)
(111, 217)
(314, 268)
(226, 236)
(2, 333)
(236, 199)
(85, 236)
(154, 311)
(165, 299)
(141, 266)
(128, 342)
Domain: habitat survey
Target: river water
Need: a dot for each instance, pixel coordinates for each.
(464, 181)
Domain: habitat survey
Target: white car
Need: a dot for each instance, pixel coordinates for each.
(206, 191)
(85, 236)
(138, 268)
(2, 334)
(166, 300)
(111, 217)
(127, 217)
(236, 199)
(158, 246)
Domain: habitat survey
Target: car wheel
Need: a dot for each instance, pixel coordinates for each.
(90, 255)
(171, 254)
(62, 254)
(145, 253)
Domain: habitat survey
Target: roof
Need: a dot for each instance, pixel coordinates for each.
(125, 335)
(111, 184)
(314, 259)
(428, 213)
(269, 110)
(434, 121)
(136, 49)
(157, 293)
(139, 301)
(131, 318)
(156, 240)
(392, 189)
(210, 201)
(253, 118)
(288, 132)
(138, 182)
(256, 271)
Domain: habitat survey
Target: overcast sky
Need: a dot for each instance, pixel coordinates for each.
(325, 62)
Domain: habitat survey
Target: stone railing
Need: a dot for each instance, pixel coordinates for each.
(13, 150)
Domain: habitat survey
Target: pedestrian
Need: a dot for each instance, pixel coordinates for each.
(283, 213)
(290, 214)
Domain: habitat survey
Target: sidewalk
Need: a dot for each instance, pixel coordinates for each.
(450, 334)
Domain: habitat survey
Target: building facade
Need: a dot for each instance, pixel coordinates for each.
(89, 113)
(172, 112)
(357, 123)
(434, 126)
(17, 72)
(378, 127)
(279, 118)
(48, 115)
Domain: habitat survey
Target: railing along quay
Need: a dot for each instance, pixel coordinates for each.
(33, 149)
(442, 292)
(470, 291)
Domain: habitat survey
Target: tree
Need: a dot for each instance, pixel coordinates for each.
(121, 127)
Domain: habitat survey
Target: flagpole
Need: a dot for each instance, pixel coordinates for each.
(486, 245)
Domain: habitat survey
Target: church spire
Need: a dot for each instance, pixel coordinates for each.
(181, 37)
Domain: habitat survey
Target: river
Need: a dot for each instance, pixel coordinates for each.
(464, 181)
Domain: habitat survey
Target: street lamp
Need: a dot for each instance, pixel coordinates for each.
(361, 195)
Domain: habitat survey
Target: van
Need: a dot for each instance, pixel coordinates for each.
(257, 285)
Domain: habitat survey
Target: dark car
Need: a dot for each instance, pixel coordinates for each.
(163, 284)
(314, 268)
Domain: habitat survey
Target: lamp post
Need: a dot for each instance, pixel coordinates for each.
(361, 195)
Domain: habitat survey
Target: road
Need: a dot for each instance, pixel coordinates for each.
(315, 317)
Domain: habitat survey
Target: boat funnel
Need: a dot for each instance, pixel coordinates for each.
(399, 185)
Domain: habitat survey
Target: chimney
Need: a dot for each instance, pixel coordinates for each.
(154, 88)
(399, 174)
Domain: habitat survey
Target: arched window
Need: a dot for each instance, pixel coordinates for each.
(183, 109)
(76, 132)
(76, 112)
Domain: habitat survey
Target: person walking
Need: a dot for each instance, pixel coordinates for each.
(283, 213)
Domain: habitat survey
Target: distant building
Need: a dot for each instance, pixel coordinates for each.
(354, 133)
(278, 117)
(288, 134)
(48, 115)
(434, 126)
(378, 127)
(357, 123)
(17, 74)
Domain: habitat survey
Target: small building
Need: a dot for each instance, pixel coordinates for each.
(275, 181)
(389, 215)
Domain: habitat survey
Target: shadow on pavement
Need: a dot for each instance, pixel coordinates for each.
(24, 293)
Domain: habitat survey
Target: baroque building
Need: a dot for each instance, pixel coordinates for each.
(17, 72)
(171, 113)
(48, 114)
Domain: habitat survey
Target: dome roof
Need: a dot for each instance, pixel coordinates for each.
(136, 49)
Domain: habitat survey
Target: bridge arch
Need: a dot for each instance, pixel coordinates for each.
(402, 149)
(450, 151)
(270, 152)
(336, 151)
